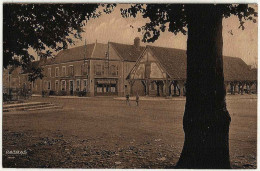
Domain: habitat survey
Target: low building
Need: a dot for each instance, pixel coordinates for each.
(162, 72)
(15, 78)
(16, 84)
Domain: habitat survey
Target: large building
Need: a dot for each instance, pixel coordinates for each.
(96, 69)
(120, 69)
(162, 72)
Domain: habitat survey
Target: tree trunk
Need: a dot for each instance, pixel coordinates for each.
(206, 119)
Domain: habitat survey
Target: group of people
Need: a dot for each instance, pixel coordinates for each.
(136, 99)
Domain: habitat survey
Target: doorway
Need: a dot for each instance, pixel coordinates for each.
(71, 88)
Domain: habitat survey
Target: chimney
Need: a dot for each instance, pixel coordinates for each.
(137, 43)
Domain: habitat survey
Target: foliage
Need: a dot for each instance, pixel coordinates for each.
(50, 27)
(173, 17)
(44, 28)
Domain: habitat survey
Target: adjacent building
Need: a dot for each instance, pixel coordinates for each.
(162, 72)
(116, 69)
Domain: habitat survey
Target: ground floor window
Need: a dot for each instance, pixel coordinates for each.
(49, 85)
(71, 85)
(63, 85)
(113, 88)
(85, 83)
(78, 85)
(56, 85)
(106, 86)
(99, 88)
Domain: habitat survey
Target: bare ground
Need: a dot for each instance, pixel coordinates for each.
(104, 133)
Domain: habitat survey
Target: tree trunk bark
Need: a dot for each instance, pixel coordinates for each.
(206, 119)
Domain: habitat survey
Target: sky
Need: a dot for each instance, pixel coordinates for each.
(113, 27)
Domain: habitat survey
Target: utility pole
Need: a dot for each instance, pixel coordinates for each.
(85, 51)
(108, 57)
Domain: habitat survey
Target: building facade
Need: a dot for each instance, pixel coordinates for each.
(15, 78)
(92, 70)
(118, 69)
(162, 72)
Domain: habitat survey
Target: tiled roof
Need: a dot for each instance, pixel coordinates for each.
(175, 63)
(77, 53)
(173, 60)
(99, 51)
(235, 69)
(73, 54)
(128, 52)
(253, 74)
(95, 50)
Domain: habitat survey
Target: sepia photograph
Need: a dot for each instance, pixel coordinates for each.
(129, 86)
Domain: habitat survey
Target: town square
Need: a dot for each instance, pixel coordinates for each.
(129, 86)
(104, 132)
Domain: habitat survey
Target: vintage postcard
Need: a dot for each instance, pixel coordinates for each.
(129, 86)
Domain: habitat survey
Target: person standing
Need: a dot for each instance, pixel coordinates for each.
(137, 99)
(127, 99)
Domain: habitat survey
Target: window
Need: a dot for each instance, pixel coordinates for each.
(78, 85)
(114, 70)
(56, 71)
(71, 70)
(99, 88)
(56, 85)
(98, 69)
(63, 85)
(84, 69)
(105, 68)
(63, 71)
(85, 83)
(49, 85)
(113, 88)
(49, 72)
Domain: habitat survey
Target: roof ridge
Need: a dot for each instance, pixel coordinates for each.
(166, 47)
(186, 50)
(124, 44)
(62, 51)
